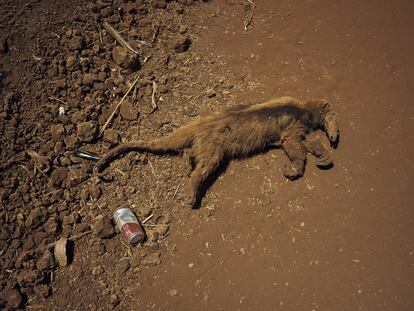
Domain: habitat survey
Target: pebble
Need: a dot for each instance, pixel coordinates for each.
(128, 111)
(111, 136)
(87, 131)
(76, 176)
(125, 59)
(151, 260)
(46, 262)
(210, 93)
(57, 131)
(103, 227)
(89, 79)
(60, 252)
(182, 44)
(42, 290)
(29, 278)
(114, 300)
(13, 297)
(172, 292)
(159, 4)
(124, 266)
(77, 43)
(58, 176)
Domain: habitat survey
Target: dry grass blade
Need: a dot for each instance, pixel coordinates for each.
(72, 238)
(117, 106)
(153, 100)
(118, 37)
(58, 100)
(248, 21)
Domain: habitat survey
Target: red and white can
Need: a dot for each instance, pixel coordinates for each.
(128, 223)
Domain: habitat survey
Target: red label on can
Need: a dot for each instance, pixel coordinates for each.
(135, 230)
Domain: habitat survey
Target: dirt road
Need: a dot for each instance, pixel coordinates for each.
(334, 240)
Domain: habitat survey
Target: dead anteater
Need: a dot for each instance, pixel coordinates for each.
(242, 130)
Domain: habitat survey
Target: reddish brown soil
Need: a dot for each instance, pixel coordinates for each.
(338, 239)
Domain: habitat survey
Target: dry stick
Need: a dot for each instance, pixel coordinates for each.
(250, 18)
(74, 237)
(58, 100)
(154, 36)
(118, 37)
(153, 101)
(148, 218)
(117, 106)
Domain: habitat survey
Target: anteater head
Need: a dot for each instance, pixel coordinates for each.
(325, 118)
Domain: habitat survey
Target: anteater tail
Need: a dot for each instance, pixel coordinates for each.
(178, 140)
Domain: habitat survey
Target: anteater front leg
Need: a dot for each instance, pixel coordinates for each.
(296, 152)
(315, 145)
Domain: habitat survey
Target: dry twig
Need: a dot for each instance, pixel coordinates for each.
(249, 19)
(73, 237)
(148, 218)
(153, 100)
(118, 37)
(58, 100)
(117, 106)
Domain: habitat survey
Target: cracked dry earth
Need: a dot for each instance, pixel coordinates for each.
(338, 239)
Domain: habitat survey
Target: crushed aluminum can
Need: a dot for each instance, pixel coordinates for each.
(87, 155)
(128, 224)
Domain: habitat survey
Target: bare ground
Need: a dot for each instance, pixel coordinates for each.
(338, 239)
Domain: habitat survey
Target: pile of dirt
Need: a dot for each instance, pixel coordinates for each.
(60, 81)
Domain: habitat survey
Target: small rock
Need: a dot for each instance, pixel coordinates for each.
(151, 260)
(88, 79)
(71, 142)
(182, 45)
(60, 252)
(159, 4)
(128, 111)
(96, 192)
(57, 131)
(51, 225)
(172, 292)
(79, 116)
(125, 59)
(29, 278)
(123, 266)
(182, 29)
(77, 43)
(210, 93)
(76, 176)
(42, 290)
(46, 262)
(87, 131)
(243, 251)
(104, 227)
(114, 300)
(83, 227)
(13, 297)
(162, 229)
(111, 136)
(71, 219)
(97, 270)
(34, 218)
(58, 176)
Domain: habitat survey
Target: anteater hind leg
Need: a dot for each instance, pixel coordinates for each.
(206, 163)
(296, 153)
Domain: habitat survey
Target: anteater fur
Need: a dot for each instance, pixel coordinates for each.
(242, 130)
